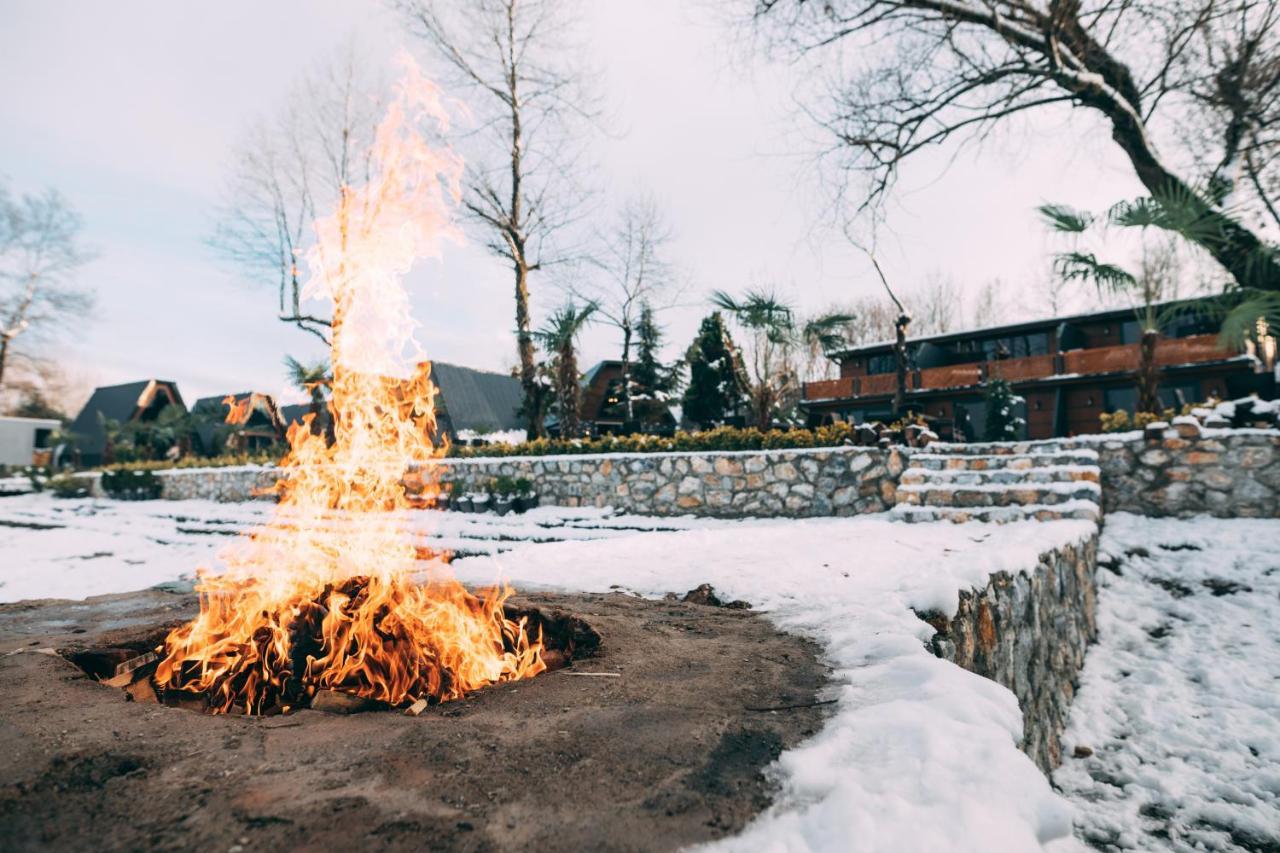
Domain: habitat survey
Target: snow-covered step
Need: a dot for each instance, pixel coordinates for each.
(999, 448)
(998, 494)
(1011, 476)
(1083, 509)
(982, 462)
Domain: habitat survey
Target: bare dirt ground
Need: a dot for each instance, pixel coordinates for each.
(666, 755)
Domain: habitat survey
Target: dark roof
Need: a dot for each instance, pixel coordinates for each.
(1011, 328)
(113, 403)
(292, 414)
(477, 400)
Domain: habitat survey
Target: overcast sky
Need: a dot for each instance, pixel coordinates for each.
(130, 108)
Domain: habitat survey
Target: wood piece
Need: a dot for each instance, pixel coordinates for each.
(595, 674)
(337, 702)
(416, 708)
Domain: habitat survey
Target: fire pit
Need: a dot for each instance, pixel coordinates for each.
(656, 741)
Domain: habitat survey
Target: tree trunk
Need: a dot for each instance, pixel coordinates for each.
(1148, 374)
(1235, 247)
(900, 357)
(4, 357)
(524, 346)
(626, 373)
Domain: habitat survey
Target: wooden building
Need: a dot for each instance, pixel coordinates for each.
(128, 403)
(1069, 371)
(244, 422)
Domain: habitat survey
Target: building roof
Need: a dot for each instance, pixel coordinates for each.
(477, 400)
(1009, 328)
(120, 403)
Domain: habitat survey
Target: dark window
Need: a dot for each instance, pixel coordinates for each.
(1174, 395)
(1186, 325)
(1120, 399)
(881, 364)
(1130, 332)
(42, 438)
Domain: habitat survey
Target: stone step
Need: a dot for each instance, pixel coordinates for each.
(996, 494)
(973, 462)
(1001, 448)
(1084, 510)
(1010, 476)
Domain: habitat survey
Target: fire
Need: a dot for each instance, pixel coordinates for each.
(324, 594)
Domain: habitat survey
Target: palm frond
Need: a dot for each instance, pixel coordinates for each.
(1084, 266)
(1066, 219)
(1258, 312)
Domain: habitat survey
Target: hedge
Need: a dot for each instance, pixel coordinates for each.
(722, 438)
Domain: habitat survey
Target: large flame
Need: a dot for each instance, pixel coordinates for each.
(323, 595)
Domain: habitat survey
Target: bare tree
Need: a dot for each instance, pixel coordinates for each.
(1189, 91)
(935, 305)
(517, 60)
(630, 271)
(292, 164)
(40, 251)
(989, 306)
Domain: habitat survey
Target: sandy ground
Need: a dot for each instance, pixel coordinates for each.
(666, 755)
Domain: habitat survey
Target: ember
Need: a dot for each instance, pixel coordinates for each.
(331, 594)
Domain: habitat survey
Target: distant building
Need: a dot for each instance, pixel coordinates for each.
(250, 423)
(127, 403)
(25, 441)
(1069, 370)
(477, 404)
(603, 409)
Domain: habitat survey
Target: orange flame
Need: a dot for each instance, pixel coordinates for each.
(322, 595)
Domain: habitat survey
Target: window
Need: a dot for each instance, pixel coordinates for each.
(1175, 395)
(1120, 399)
(42, 438)
(881, 364)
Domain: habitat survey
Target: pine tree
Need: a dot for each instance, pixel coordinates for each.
(716, 381)
(1003, 423)
(652, 382)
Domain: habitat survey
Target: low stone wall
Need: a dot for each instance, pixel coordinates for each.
(1029, 632)
(794, 483)
(1183, 472)
(768, 483)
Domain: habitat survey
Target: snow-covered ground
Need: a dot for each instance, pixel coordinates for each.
(1180, 700)
(918, 755)
(76, 548)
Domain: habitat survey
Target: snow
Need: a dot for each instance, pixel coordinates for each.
(919, 754)
(1179, 701)
(509, 436)
(76, 548)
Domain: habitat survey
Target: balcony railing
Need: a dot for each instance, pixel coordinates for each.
(1126, 357)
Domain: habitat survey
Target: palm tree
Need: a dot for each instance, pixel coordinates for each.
(1149, 286)
(776, 334)
(314, 379)
(558, 336)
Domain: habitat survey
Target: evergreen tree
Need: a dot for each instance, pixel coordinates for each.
(1003, 423)
(716, 380)
(652, 382)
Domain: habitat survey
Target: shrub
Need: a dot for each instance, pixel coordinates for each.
(1003, 423)
(225, 461)
(135, 485)
(1122, 421)
(721, 438)
(70, 486)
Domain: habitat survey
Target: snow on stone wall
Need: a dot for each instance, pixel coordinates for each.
(1184, 471)
(1029, 632)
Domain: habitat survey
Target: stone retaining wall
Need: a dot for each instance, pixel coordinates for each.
(1183, 471)
(1029, 633)
(793, 483)
(1227, 473)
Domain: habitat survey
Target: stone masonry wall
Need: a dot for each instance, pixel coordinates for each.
(770, 483)
(1182, 472)
(1226, 473)
(1029, 632)
(794, 483)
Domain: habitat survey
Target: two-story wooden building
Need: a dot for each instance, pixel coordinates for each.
(1069, 370)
